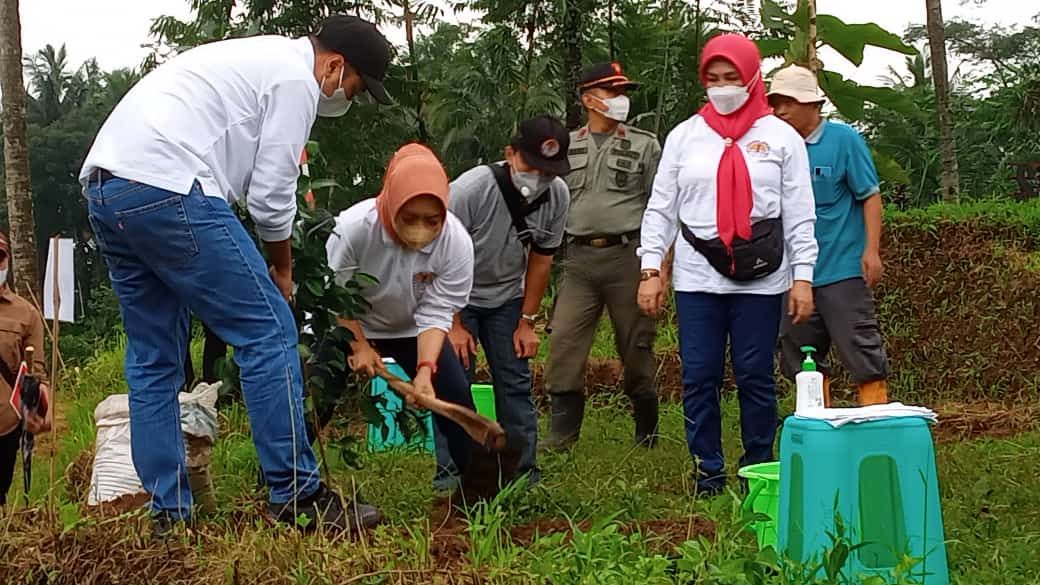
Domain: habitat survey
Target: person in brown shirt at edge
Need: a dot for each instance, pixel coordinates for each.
(20, 326)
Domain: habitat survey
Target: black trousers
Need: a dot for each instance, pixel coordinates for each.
(9, 445)
(213, 349)
(451, 385)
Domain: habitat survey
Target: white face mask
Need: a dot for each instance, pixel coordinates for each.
(335, 105)
(530, 184)
(617, 107)
(730, 98)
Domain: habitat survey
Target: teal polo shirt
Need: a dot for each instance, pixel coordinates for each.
(843, 176)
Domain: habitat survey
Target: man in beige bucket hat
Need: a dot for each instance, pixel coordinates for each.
(848, 230)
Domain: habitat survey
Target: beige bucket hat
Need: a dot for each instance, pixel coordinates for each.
(798, 83)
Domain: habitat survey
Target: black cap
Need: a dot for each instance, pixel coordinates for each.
(543, 142)
(605, 75)
(363, 46)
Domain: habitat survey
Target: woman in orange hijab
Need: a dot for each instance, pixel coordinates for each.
(421, 257)
(734, 181)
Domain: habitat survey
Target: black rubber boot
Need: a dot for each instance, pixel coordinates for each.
(644, 411)
(568, 409)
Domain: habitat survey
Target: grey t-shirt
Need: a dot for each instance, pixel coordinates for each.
(500, 260)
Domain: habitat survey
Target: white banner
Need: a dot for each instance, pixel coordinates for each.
(66, 282)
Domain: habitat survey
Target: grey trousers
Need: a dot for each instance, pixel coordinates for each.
(845, 318)
(594, 278)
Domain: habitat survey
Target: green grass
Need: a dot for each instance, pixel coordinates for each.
(1019, 215)
(991, 509)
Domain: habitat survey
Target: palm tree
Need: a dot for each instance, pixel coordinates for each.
(571, 34)
(16, 153)
(950, 177)
(918, 70)
(50, 83)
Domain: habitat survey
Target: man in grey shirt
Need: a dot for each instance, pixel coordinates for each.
(511, 269)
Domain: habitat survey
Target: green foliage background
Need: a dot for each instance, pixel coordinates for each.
(476, 67)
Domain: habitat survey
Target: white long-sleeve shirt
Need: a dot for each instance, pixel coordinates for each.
(416, 290)
(685, 190)
(234, 115)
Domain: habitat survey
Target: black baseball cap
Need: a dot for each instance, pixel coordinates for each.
(543, 142)
(609, 75)
(363, 46)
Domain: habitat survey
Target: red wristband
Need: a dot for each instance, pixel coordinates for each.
(431, 365)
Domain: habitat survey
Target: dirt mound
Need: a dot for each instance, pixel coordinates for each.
(958, 307)
(964, 421)
(94, 554)
(605, 375)
(78, 474)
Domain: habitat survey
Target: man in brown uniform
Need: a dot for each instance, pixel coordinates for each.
(20, 327)
(612, 173)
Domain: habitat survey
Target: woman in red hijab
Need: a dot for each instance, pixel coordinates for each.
(421, 257)
(734, 182)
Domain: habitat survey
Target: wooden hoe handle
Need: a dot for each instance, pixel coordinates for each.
(484, 431)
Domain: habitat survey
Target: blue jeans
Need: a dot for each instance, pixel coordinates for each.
(171, 254)
(752, 324)
(511, 377)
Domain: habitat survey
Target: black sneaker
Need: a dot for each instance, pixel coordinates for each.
(326, 510)
(165, 526)
(707, 488)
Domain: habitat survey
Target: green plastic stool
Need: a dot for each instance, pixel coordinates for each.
(763, 498)
(389, 405)
(880, 477)
(484, 400)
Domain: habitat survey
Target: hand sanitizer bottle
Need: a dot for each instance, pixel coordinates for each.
(810, 385)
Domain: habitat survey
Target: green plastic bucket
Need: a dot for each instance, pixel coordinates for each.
(763, 498)
(484, 400)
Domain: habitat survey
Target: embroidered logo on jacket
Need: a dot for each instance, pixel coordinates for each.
(758, 148)
(420, 281)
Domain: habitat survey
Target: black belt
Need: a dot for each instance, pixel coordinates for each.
(100, 176)
(605, 241)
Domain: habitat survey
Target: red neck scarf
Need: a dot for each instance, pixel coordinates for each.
(733, 196)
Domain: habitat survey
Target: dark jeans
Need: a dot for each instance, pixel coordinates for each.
(751, 323)
(511, 377)
(9, 445)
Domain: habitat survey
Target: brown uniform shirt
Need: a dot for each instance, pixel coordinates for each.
(20, 327)
(610, 183)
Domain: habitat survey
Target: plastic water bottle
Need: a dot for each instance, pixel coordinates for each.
(810, 385)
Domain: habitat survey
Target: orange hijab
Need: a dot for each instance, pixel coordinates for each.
(414, 170)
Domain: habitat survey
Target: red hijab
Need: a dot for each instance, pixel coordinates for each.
(733, 197)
